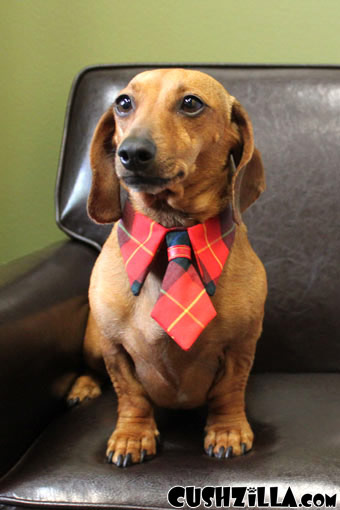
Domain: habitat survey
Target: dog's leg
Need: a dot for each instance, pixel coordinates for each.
(227, 430)
(135, 436)
(88, 385)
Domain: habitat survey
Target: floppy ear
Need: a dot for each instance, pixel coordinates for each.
(248, 180)
(103, 204)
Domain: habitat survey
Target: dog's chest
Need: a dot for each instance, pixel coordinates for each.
(172, 377)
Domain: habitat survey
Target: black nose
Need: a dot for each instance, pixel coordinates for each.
(137, 153)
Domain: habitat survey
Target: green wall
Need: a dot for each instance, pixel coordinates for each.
(44, 43)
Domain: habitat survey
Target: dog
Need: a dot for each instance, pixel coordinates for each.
(183, 150)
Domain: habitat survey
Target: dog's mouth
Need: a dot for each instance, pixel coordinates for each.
(152, 185)
(154, 191)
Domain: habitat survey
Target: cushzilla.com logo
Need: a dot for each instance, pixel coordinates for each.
(245, 497)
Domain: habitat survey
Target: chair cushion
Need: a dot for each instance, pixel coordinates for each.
(296, 419)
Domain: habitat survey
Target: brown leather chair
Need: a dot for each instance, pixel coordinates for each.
(51, 456)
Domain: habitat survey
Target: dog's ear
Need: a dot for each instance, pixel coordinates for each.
(248, 180)
(103, 204)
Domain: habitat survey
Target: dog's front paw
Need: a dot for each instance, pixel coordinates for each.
(225, 440)
(132, 442)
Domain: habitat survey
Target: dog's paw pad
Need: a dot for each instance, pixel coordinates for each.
(85, 387)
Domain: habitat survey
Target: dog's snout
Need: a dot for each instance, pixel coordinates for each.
(137, 153)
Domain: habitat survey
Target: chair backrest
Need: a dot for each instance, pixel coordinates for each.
(294, 226)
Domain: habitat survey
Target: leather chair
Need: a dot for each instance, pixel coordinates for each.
(52, 456)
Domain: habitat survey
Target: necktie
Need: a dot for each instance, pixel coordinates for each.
(183, 308)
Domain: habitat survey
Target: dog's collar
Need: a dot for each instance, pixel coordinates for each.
(140, 238)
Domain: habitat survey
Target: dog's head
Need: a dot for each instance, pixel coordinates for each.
(168, 139)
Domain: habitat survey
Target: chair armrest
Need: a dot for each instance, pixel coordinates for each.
(43, 312)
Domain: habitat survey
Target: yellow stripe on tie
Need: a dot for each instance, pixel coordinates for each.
(210, 248)
(185, 310)
(140, 245)
(197, 252)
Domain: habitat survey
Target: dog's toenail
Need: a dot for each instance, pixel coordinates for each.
(220, 452)
(210, 451)
(119, 462)
(73, 401)
(142, 456)
(128, 460)
(229, 452)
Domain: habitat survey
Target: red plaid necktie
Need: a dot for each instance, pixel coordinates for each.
(183, 308)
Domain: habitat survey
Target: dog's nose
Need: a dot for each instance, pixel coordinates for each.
(137, 153)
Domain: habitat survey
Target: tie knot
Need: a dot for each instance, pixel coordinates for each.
(178, 245)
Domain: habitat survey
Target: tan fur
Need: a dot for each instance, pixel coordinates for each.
(147, 367)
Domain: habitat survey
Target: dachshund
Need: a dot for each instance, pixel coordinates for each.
(183, 150)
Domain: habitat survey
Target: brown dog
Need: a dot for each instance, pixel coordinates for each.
(168, 140)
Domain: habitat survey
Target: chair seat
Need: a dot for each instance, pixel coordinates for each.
(295, 417)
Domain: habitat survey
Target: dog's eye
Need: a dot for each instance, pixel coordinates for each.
(123, 105)
(192, 105)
